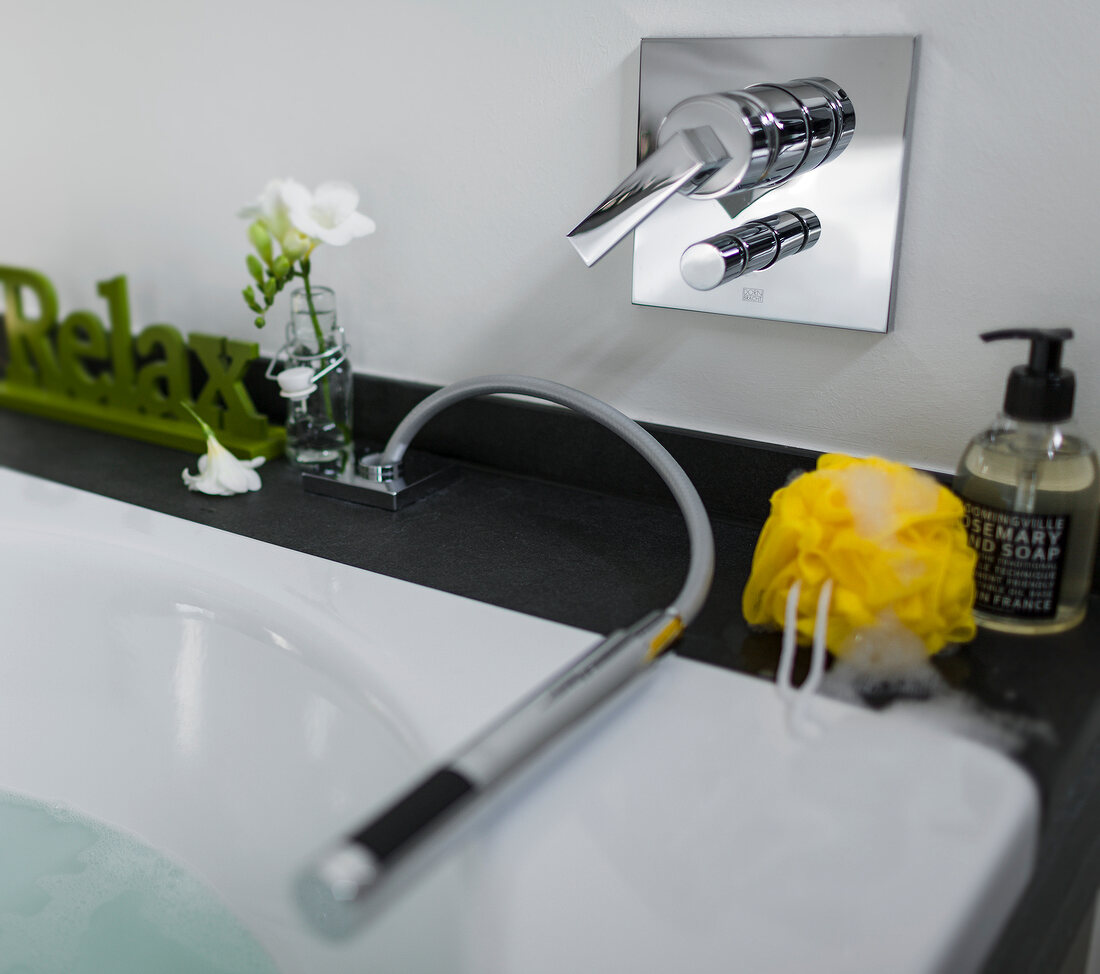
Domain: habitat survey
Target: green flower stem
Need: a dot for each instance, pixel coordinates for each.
(325, 391)
(313, 313)
(198, 419)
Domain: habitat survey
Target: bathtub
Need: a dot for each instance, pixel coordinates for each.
(237, 706)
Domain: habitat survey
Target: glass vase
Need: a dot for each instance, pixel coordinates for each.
(318, 426)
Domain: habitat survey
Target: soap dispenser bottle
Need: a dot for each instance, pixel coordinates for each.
(1031, 488)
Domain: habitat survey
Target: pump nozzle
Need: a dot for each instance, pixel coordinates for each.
(1041, 391)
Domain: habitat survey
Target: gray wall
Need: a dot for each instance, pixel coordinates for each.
(480, 131)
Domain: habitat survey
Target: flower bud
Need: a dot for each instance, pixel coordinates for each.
(255, 268)
(250, 299)
(261, 240)
(294, 245)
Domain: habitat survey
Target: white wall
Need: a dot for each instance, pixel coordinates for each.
(480, 131)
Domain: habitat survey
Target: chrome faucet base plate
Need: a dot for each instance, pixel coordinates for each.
(422, 475)
(848, 279)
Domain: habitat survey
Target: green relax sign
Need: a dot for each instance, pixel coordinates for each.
(79, 371)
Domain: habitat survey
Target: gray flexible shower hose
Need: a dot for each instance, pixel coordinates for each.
(336, 892)
(701, 564)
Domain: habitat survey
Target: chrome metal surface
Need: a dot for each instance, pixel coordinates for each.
(709, 263)
(761, 246)
(789, 127)
(373, 467)
(823, 133)
(390, 486)
(753, 247)
(746, 132)
(688, 156)
(848, 280)
(712, 146)
(798, 229)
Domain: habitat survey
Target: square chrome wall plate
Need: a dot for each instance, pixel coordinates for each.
(846, 278)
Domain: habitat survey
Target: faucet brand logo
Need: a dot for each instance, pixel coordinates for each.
(80, 371)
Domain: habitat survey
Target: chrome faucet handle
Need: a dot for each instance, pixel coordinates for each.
(754, 246)
(687, 158)
(732, 146)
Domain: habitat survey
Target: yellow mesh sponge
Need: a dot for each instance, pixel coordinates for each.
(891, 539)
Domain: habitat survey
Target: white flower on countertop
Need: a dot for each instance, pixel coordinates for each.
(328, 214)
(221, 473)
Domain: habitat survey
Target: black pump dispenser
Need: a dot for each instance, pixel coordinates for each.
(1041, 391)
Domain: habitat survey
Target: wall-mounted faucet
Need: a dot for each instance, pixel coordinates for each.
(736, 145)
(731, 158)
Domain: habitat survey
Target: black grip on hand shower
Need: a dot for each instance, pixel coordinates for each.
(427, 803)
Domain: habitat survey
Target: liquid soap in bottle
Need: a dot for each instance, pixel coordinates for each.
(1031, 488)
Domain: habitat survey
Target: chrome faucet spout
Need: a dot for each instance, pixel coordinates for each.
(678, 166)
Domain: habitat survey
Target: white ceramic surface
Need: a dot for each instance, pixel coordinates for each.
(237, 705)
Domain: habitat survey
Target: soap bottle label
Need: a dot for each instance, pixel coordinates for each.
(1020, 560)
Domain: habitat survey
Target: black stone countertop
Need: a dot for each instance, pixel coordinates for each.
(597, 560)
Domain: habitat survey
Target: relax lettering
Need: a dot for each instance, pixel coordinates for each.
(150, 374)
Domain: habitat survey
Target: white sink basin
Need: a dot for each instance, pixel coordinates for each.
(239, 705)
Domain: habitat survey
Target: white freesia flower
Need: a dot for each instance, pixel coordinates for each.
(329, 214)
(272, 208)
(299, 221)
(220, 472)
